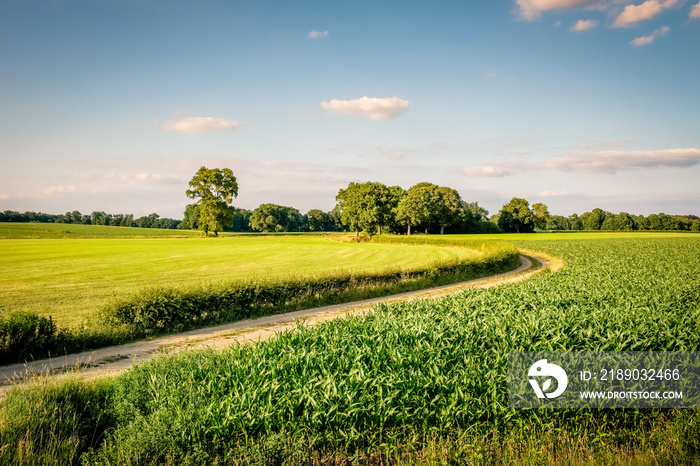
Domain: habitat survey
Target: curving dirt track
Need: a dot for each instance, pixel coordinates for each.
(116, 359)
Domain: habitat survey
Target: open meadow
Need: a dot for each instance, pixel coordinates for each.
(111, 285)
(71, 279)
(417, 382)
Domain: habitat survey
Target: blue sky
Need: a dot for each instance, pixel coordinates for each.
(113, 105)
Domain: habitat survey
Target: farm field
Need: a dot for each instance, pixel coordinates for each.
(70, 279)
(69, 230)
(412, 383)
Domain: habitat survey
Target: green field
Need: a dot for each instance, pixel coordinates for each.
(70, 279)
(423, 373)
(420, 382)
(69, 230)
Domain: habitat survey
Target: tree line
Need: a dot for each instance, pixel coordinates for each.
(95, 218)
(371, 207)
(517, 216)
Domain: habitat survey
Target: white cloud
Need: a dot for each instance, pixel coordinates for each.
(317, 34)
(201, 125)
(584, 25)
(556, 194)
(635, 13)
(373, 108)
(496, 170)
(4, 196)
(644, 40)
(55, 190)
(695, 12)
(609, 162)
(532, 9)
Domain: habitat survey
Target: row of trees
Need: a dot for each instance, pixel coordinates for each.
(371, 206)
(518, 216)
(376, 208)
(95, 218)
(267, 218)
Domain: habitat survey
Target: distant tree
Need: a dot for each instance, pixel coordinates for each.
(622, 222)
(215, 188)
(541, 215)
(557, 222)
(366, 206)
(241, 220)
(146, 221)
(450, 208)
(191, 218)
(475, 220)
(575, 222)
(418, 206)
(318, 220)
(642, 222)
(593, 220)
(516, 216)
(99, 218)
(276, 218)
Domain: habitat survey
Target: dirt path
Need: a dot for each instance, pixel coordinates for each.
(116, 359)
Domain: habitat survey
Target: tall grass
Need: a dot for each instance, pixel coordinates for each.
(54, 422)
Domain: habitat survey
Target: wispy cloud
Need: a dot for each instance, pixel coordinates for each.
(695, 11)
(644, 40)
(608, 162)
(584, 25)
(556, 194)
(633, 14)
(56, 190)
(373, 108)
(201, 125)
(317, 34)
(531, 10)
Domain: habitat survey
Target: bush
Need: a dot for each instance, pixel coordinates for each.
(25, 336)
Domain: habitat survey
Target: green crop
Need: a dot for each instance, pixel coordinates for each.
(419, 369)
(427, 378)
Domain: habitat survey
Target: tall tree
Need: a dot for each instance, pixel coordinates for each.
(366, 206)
(191, 218)
(516, 216)
(418, 206)
(450, 208)
(215, 188)
(276, 218)
(541, 215)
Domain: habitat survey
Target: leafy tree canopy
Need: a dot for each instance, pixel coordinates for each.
(215, 188)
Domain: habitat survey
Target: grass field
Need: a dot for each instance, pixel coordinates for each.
(70, 279)
(69, 230)
(422, 382)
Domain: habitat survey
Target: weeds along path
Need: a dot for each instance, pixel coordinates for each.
(116, 359)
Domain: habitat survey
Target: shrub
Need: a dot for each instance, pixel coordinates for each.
(24, 336)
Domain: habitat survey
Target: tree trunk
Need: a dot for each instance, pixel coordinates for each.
(426, 230)
(409, 230)
(380, 230)
(442, 229)
(357, 234)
